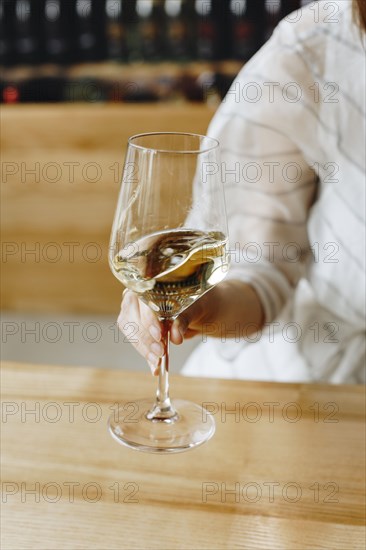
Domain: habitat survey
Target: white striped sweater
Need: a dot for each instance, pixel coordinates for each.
(292, 134)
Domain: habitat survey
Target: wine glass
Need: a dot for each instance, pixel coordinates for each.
(169, 245)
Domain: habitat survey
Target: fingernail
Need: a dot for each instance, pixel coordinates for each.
(153, 368)
(181, 331)
(155, 333)
(157, 349)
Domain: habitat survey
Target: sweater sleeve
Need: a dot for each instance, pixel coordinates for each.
(264, 125)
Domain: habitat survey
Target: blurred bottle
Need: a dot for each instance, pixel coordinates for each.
(288, 6)
(117, 29)
(9, 92)
(85, 89)
(246, 28)
(149, 19)
(272, 16)
(90, 30)
(27, 31)
(7, 18)
(178, 27)
(57, 19)
(211, 24)
(42, 89)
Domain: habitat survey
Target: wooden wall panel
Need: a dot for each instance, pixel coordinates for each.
(61, 169)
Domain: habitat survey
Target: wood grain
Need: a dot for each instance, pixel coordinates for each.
(56, 220)
(173, 509)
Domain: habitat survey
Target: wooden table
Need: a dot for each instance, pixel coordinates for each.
(288, 475)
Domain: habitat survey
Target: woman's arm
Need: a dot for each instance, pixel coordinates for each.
(270, 187)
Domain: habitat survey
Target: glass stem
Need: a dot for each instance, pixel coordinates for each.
(163, 409)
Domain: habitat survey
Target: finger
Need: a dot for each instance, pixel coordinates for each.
(177, 333)
(142, 341)
(181, 325)
(178, 338)
(154, 370)
(189, 334)
(150, 322)
(152, 327)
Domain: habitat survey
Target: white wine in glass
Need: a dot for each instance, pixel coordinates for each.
(169, 245)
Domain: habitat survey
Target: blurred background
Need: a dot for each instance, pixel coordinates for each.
(78, 77)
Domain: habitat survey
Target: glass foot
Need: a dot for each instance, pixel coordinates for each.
(190, 427)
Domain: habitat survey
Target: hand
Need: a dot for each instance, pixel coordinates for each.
(150, 334)
(230, 307)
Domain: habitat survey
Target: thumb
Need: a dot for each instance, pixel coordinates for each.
(181, 325)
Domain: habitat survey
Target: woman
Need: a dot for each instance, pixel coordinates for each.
(292, 132)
